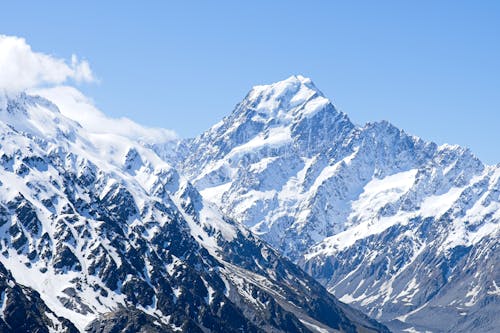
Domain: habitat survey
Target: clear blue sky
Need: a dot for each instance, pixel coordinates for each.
(430, 67)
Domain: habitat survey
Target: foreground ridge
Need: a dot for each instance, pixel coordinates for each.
(100, 234)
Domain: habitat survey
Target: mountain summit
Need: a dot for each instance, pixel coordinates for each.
(399, 227)
(283, 118)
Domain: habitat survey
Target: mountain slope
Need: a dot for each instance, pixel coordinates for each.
(109, 237)
(24, 311)
(402, 228)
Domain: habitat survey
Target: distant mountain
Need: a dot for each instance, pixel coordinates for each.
(97, 232)
(401, 228)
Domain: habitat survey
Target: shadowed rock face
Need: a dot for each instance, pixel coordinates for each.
(113, 239)
(401, 228)
(24, 311)
(127, 320)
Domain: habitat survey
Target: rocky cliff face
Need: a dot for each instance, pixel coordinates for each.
(402, 228)
(24, 311)
(99, 233)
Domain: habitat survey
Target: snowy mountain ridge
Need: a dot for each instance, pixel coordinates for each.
(103, 235)
(94, 209)
(402, 228)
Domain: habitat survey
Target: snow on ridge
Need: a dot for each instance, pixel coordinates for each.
(285, 100)
(76, 106)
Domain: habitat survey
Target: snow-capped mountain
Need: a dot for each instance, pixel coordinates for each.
(98, 232)
(402, 228)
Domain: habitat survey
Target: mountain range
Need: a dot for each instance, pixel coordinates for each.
(283, 217)
(99, 234)
(399, 227)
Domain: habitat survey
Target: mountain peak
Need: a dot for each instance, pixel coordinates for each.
(288, 83)
(292, 110)
(35, 115)
(289, 115)
(288, 93)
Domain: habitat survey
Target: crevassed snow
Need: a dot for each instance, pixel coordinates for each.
(437, 205)
(215, 193)
(378, 192)
(364, 220)
(314, 106)
(276, 137)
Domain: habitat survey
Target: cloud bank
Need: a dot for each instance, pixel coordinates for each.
(21, 68)
(76, 106)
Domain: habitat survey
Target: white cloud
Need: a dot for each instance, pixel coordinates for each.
(21, 68)
(76, 106)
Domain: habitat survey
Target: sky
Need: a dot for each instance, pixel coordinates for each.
(429, 67)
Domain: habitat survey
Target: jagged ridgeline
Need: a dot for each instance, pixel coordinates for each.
(99, 233)
(401, 228)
